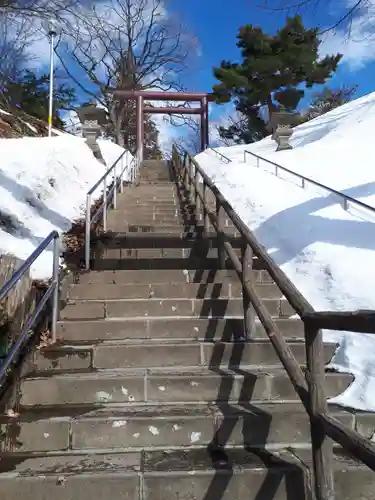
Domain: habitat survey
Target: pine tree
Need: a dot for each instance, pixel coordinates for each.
(30, 93)
(272, 71)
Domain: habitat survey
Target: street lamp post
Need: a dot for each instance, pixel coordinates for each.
(52, 34)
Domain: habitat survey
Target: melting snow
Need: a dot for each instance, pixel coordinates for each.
(154, 430)
(195, 436)
(329, 253)
(43, 186)
(119, 423)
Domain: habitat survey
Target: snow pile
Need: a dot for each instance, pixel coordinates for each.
(327, 252)
(43, 186)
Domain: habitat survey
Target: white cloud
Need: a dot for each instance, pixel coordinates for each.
(357, 41)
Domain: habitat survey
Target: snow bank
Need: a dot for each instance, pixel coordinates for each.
(327, 252)
(43, 186)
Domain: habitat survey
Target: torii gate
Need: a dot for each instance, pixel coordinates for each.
(141, 95)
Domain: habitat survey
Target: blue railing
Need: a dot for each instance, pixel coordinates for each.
(52, 291)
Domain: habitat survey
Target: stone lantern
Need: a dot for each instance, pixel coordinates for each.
(280, 125)
(93, 119)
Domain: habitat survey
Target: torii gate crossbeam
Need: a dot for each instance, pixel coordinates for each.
(141, 95)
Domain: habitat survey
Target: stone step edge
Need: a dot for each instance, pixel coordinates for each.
(159, 371)
(175, 372)
(341, 460)
(305, 446)
(199, 404)
(170, 317)
(126, 319)
(175, 411)
(176, 299)
(166, 343)
(156, 370)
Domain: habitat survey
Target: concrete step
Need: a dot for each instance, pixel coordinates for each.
(118, 224)
(227, 330)
(178, 474)
(202, 386)
(148, 199)
(115, 263)
(143, 217)
(152, 307)
(163, 427)
(159, 253)
(133, 277)
(148, 240)
(166, 203)
(150, 207)
(170, 205)
(153, 182)
(165, 354)
(156, 276)
(163, 291)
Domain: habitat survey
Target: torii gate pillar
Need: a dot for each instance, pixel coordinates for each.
(141, 95)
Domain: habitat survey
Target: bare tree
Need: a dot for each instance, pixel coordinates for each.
(38, 8)
(129, 45)
(344, 15)
(191, 140)
(16, 35)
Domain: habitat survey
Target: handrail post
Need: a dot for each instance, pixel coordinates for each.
(186, 176)
(191, 174)
(114, 201)
(206, 220)
(322, 450)
(197, 198)
(134, 170)
(105, 204)
(220, 235)
(122, 170)
(247, 271)
(87, 232)
(55, 281)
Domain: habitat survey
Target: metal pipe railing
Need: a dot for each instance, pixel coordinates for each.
(52, 291)
(110, 196)
(223, 157)
(345, 198)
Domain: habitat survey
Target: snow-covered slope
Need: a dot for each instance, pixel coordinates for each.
(327, 252)
(43, 186)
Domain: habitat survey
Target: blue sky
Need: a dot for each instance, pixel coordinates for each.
(216, 23)
(216, 26)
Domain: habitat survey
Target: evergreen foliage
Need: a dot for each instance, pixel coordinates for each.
(31, 93)
(272, 73)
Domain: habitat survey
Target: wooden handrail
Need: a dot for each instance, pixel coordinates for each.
(292, 294)
(309, 387)
(350, 321)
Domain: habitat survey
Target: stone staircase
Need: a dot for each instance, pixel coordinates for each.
(153, 394)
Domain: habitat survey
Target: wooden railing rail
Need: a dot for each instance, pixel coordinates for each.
(309, 385)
